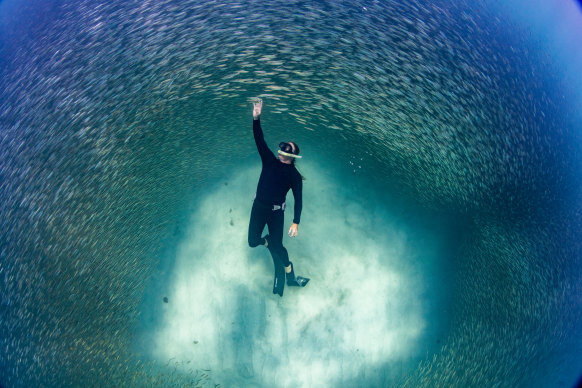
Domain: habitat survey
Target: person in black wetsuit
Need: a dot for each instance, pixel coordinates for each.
(278, 175)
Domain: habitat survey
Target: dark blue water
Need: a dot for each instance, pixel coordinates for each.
(442, 208)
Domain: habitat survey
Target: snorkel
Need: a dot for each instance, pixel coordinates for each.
(289, 155)
(286, 149)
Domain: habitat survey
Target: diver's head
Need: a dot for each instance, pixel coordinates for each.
(288, 152)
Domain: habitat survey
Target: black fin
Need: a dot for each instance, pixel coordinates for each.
(299, 281)
(295, 281)
(279, 282)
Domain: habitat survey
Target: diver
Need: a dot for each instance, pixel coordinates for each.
(278, 175)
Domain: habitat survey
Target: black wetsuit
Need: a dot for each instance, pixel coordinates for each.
(275, 181)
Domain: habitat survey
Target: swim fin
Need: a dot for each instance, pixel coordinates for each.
(295, 281)
(279, 282)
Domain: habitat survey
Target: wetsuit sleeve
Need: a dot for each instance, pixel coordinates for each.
(266, 154)
(297, 189)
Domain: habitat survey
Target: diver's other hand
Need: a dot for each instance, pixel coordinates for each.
(293, 230)
(257, 107)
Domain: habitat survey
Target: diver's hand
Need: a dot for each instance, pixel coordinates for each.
(293, 230)
(257, 107)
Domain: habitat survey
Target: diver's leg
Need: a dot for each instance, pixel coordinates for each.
(277, 250)
(257, 224)
(275, 223)
(283, 267)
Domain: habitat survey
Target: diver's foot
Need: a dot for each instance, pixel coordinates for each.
(289, 273)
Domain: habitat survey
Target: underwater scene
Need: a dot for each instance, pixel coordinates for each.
(440, 193)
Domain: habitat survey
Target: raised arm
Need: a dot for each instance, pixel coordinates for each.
(264, 152)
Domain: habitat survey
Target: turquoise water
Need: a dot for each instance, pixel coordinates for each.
(441, 224)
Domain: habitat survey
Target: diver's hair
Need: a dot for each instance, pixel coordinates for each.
(297, 151)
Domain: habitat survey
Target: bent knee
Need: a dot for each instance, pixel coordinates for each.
(254, 242)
